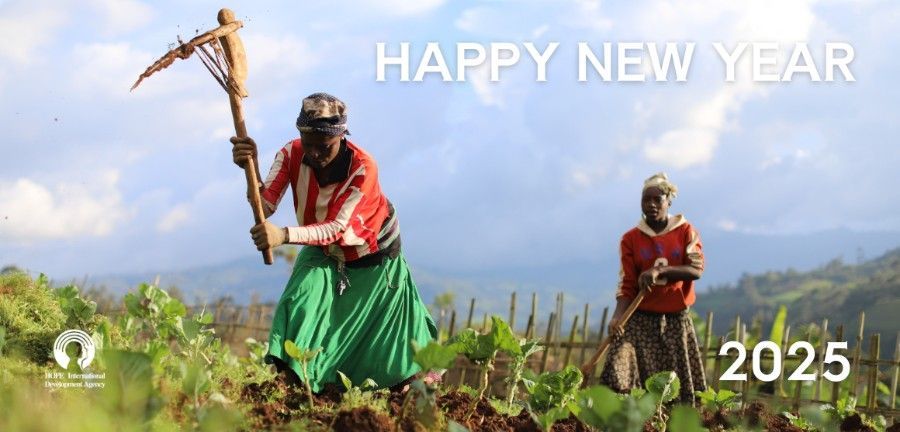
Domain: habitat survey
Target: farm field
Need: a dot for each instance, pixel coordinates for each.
(159, 367)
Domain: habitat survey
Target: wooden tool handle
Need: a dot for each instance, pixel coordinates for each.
(234, 52)
(587, 369)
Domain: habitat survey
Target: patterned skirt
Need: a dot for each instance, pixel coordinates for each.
(652, 343)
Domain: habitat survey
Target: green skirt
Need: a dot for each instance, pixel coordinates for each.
(364, 332)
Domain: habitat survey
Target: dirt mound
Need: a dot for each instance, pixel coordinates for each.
(362, 419)
(456, 406)
(331, 394)
(854, 423)
(758, 414)
(570, 424)
(486, 419)
(265, 416)
(718, 421)
(272, 402)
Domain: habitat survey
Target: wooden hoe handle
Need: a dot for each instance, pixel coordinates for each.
(587, 369)
(237, 61)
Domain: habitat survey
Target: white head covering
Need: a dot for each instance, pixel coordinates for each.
(661, 180)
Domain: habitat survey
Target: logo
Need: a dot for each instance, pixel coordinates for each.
(80, 337)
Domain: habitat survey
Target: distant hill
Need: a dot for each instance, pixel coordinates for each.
(591, 279)
(803, 272)
(836, 291)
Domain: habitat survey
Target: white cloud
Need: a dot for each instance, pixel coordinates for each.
(123, 16)
(28, 26)
(727, 225)
(705, 117)
(488, 92)
(402, 8)
(771, 162)
(682, 148)
(588, 14)
(274, 59)
(175, 218)
(539, 31)
(25, 27)
(109, 70)
(31, 211)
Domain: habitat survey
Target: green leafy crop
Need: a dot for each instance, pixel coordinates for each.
(553, 389)
(724, 399)
(600, 407)
(79, 312)
(517, 366)
(482, 349)
(303, 357)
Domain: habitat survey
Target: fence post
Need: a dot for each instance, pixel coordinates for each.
(452, 328)
(559, 320)
(896, 371)
(717, 364)
(603, 324)
(745, 385)
(785, 341)
(548, 341)
(836, 387)
(798, 390)
(531, 331)
(736, 385)
(584, 333)
(855, 369)
(440, 322)
(874, 356)
(568, 355)
(512, 313)
(557, 328)
(823, 343)
(557, 332)
(707, 338)
(471, 311)
(462, 375)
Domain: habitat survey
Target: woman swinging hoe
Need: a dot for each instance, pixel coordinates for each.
(662, 255)
(351, 292)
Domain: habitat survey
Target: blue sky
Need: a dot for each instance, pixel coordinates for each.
(97, 179)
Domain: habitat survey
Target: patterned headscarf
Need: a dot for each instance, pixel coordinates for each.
(661, 181)
(322, 112)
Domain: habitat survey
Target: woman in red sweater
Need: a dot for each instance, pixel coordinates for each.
(664, 256)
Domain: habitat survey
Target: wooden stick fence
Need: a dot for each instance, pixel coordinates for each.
(234, 324)
(867, 368)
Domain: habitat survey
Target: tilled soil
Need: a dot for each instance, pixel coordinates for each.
(854, 423)
(756, 414)
(270, 414)
(266, 414)
(362, 419)
(456, 407)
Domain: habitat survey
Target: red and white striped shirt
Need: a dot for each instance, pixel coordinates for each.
(348, 219)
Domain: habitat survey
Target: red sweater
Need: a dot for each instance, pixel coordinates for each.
(642, 248)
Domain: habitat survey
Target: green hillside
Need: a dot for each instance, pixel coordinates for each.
(836, 291)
